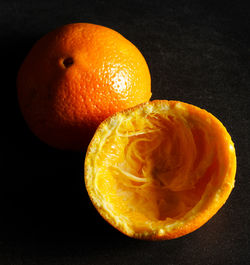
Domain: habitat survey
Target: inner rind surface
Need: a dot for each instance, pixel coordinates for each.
(156, 167)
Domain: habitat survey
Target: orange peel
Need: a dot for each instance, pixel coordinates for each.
(160, 170)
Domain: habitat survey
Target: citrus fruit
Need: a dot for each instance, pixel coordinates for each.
(76, 76)
(160, 170)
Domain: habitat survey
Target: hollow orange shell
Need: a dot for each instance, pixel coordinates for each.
(160, 170)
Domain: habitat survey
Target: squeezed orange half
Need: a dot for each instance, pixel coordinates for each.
(160, 170)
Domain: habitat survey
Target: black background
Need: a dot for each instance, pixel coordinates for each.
(197, 52)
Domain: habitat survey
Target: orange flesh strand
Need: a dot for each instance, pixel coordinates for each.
(156, 168)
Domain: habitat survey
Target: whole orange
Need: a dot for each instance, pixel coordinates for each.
(75, 77)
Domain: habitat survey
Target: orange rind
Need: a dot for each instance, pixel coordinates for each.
(160, 170)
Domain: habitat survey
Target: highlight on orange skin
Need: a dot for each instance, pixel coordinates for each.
(160, 170)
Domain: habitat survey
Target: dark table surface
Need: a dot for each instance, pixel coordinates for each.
(197, 53)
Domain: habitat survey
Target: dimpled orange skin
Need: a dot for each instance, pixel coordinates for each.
(74, 78)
